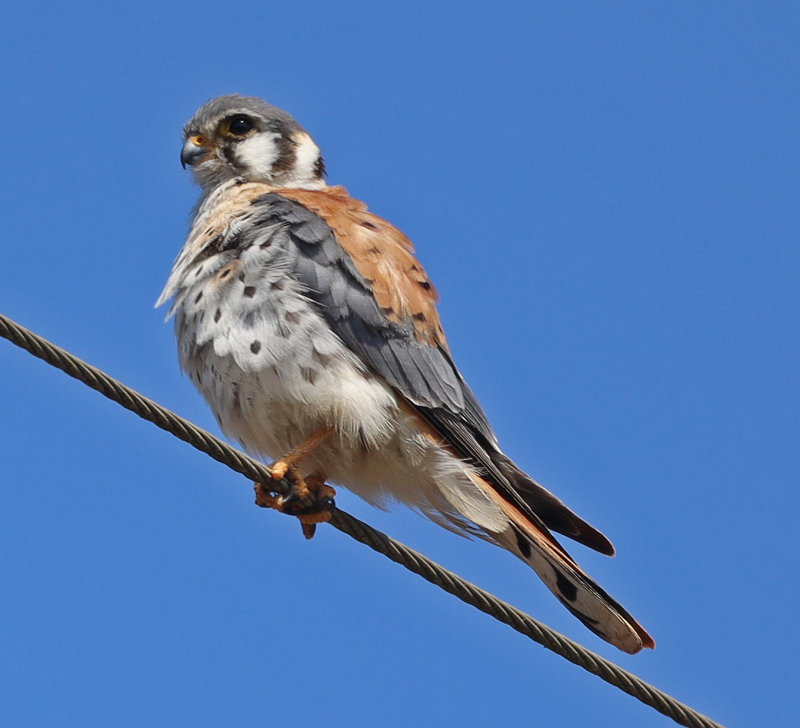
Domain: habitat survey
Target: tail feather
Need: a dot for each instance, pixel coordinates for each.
(551, 510)
(585, 599)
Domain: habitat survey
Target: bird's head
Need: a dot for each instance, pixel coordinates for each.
(244, 137)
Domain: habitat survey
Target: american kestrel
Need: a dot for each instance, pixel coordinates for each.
(312, 332)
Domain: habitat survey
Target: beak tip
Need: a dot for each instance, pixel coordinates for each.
(192, 153)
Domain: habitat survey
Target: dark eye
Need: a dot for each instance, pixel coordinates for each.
(240, 124)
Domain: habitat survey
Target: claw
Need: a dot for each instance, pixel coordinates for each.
(310, 500)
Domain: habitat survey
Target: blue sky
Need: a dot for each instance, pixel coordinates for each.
(606, 199)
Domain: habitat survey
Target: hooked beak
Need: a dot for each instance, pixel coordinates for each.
(194, 149)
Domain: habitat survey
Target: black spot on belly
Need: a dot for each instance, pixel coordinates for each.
(230, 243)
(255, 347)
(217, 315)
(249, 291)
(309, 374)
(198, 297)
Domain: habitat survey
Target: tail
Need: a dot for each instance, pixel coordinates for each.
(529, 538)
(555, 515)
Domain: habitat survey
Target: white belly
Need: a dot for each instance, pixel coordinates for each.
(377, 450)
(274, 372)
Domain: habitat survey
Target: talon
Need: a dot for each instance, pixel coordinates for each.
(311, 500)
(265, 499)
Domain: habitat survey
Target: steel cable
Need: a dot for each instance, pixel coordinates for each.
(360, 531)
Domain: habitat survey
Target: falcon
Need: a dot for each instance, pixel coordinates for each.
(311, 330)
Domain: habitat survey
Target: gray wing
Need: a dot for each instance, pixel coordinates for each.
(424, 374)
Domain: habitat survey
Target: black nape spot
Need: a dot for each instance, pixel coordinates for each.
(523, 544)
(255, 347)
(419, 316)
(319, 167)
(249, 291)
(217, 315)
(368, 224)
(568, 590)
(198, 297)
(224, 274)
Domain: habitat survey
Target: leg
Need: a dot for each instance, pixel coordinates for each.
(304, 449)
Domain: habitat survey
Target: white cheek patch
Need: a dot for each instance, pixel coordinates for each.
(307, 156)
(304, 172)
(257, 154)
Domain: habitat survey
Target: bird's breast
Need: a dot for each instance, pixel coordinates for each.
(264, 357)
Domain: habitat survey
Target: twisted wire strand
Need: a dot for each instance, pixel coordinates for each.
(356, 529)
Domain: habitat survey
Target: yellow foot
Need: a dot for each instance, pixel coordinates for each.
(310, 499)
(279, 468)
